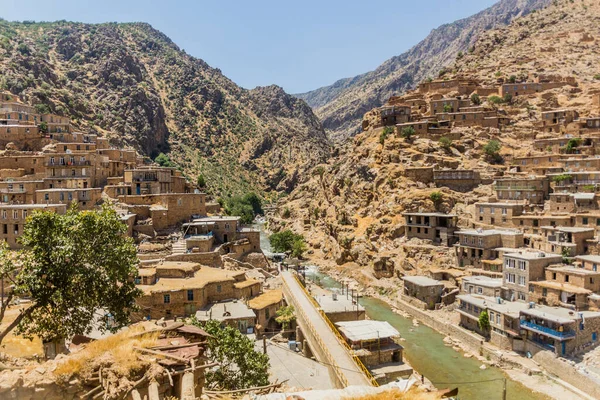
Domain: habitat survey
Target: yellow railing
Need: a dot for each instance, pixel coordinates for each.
(337, 333)
(315, 335)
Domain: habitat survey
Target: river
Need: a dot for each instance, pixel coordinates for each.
(426, 352)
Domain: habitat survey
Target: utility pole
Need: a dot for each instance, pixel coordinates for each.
(264, 344)
(504, 390)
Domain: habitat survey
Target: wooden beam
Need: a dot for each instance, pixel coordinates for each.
(159, 353)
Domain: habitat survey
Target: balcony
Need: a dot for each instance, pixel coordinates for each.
(544, 330)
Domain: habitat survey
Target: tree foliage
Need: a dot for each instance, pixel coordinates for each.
(475, 99)
(385, 133)
(285, 316)
(407, 132)
(240, 365)
(247, 207)
(73, 267)
(201, 181)
(492, 150)
(436, 197)
(164, 161)
(288, 241)
(484, 321)
(572, 144)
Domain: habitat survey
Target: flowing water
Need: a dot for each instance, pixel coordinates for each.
(424, 349)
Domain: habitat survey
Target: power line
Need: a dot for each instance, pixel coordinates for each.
(286, 368)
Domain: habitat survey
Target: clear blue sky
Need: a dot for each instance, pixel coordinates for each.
(299, 45)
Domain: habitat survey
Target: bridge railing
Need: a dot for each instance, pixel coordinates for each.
(339, 336)
(332, 362)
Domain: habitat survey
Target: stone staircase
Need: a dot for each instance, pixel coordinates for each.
(179, 247)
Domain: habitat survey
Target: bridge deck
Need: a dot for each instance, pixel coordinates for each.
(319, 333)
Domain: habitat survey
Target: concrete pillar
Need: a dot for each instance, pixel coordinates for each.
(299, 335)
(306, 350)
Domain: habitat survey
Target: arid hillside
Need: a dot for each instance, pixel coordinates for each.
(341, 106)
(351, 209)
(134, 84)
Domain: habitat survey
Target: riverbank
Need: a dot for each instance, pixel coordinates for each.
(463, 343)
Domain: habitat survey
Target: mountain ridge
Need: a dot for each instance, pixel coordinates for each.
(132, 83)
(342, 105)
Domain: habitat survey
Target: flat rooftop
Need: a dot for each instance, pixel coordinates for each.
(531, 255)
(568, 229)
(341, 304)
(566, 287)
(356, 331)
(592, 259)
(422, 281)
(269, 297)
(559, 315)
(511, 308)
(201, 278)
(488, 232)
(483, 281)
(225, 310)
(573, 270)
(432, 214)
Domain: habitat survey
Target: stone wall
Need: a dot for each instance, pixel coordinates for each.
(562, 369)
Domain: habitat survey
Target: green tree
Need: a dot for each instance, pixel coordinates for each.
(512, 79)
(288, 241)
(475, 99)
(43, 126)
(447, 108)
(484, 321)
(407, 132)
(436, 198)
(561, 178)
(492, 150)
(507, 98)
(240, 365)
(285, 316)
(73, 266)
(164, 161)
(201, 181)
(247, 207)
(254, 201)
(572, 144)
(495, 99)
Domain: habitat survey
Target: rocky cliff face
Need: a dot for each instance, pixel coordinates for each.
(342, 105)
(134, 84)
(351, 212)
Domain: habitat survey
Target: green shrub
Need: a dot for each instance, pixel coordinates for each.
(507, 98)
(561, 178)
(436, 197)
(572, 144)
(492, 147)
(512, 79)
(164, 161)
(475, 99)
(495, 99)
(447, 108)
(597, 76)
(385, 133)
(407, 132)
(445, 142)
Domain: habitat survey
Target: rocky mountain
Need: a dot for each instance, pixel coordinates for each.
(351, 209)
(342, 105)
(132, 83)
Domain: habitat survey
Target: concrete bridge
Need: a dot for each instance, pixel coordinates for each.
(323, 338)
